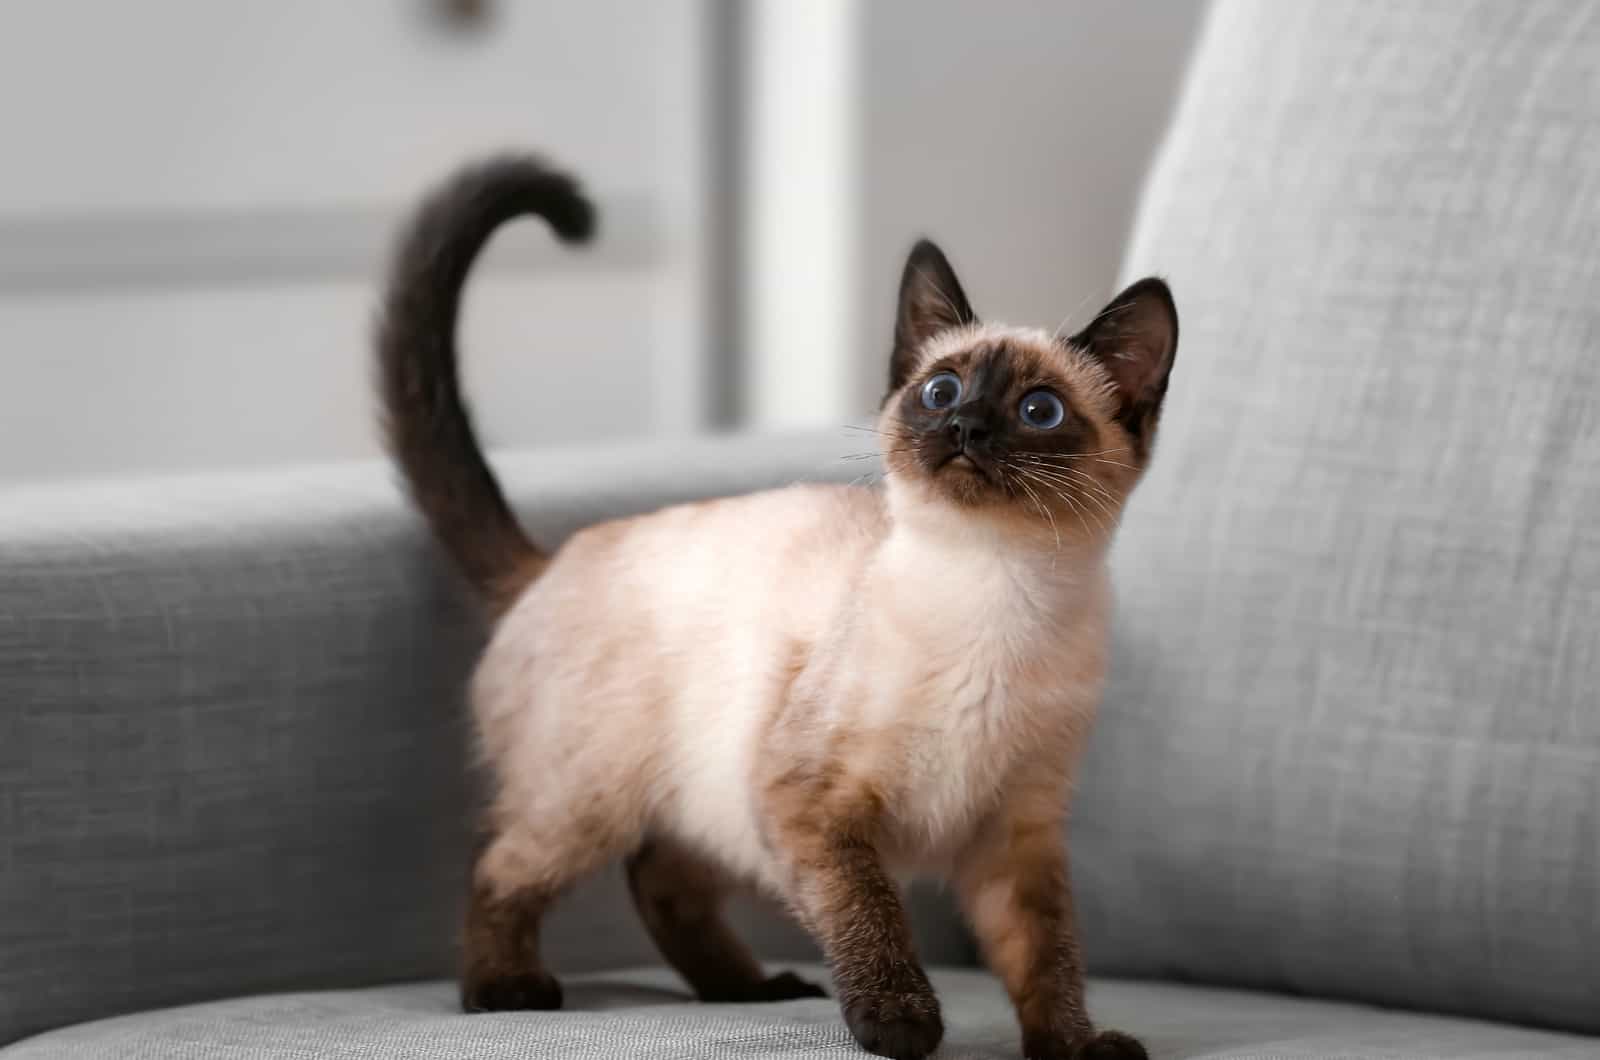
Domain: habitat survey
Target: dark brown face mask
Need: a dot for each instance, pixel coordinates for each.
(977, 418)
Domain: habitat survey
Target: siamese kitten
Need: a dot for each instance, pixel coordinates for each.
(813, 690)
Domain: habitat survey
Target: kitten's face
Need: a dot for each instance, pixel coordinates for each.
(996, 416)
(1018, 422)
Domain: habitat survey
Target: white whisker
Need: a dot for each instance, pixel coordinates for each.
(1077, 480)
(1064, 488)
(955, 314)
(1056, 334)
(1044, 510)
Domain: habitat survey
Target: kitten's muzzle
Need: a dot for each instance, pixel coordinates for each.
(968, 438)
(969, 433)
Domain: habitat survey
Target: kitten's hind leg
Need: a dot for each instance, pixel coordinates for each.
(679, 897)
(520, 872)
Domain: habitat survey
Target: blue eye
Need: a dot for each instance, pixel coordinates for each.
(942, 391)
(1042, 410)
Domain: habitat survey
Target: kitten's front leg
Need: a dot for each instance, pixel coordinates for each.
(842, 893)
(1014, 886)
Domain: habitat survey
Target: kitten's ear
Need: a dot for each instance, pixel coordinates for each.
(1135, 338)
(931, 301)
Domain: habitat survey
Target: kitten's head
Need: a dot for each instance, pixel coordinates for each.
(1018, 422)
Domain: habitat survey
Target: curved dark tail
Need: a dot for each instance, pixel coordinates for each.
(425, 418)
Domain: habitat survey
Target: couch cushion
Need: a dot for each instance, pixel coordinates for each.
(1352, 742)
(646, 1014)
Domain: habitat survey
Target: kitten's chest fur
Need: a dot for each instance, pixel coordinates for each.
(978, 663)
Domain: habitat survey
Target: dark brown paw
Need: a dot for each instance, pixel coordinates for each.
(510, 993)
(1110, 1045)
(786, 986)
(1104, 1045)
(902, 1025)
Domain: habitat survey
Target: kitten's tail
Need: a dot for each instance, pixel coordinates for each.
(426, 421)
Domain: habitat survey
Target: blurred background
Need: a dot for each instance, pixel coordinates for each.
(196, 199)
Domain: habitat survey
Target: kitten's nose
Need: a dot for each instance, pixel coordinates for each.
(968, 431)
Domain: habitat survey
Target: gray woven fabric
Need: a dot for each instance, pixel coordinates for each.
(1352, 745)
(646, 1015)
(231, 735)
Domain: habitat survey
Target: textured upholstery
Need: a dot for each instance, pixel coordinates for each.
(645, 1015)
(231, 731)
(1352, 746)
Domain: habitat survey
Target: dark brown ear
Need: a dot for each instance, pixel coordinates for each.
(1135, 338)
(931, 301)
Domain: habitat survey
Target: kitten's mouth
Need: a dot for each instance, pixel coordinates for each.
(959, 460)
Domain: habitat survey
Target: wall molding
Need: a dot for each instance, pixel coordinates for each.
(801, 224)
(155, 250)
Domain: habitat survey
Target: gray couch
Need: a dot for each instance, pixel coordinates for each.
(1344, 796)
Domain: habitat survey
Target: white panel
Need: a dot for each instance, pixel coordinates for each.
(193, 103)
(237, 377)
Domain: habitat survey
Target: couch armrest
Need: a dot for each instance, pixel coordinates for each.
(232, 734)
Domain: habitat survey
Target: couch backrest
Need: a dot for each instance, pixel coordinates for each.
(1352, 744)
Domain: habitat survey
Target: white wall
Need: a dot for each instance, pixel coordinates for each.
(1016, 134)
(1017, 141)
